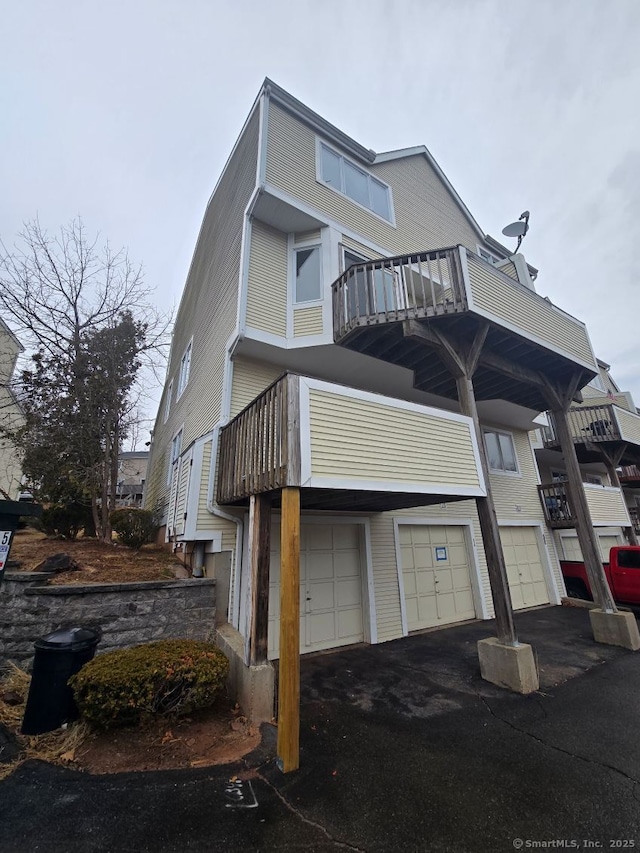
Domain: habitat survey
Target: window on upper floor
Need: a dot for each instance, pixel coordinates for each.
(167, 404)
(176, 447)
(185, 367)
(350, 180)
(488, 256)
(308, 284)
(501, 451)
(598, 383)
(592, 479)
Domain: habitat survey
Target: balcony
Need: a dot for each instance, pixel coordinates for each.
(606, 505)
(454, 290)
(630, 475)
(608, 427)
(346, 450)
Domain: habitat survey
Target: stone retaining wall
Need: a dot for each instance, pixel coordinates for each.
(126, 613)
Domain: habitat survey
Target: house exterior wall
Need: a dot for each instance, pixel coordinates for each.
(207, 314)
(11, 417)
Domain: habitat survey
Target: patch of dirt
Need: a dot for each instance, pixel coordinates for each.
(218, 735)
(100, 562)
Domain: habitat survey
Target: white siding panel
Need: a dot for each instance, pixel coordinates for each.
(606, 505)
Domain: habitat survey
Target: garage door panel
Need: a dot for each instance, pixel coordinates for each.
(349, 593)
(346, 536)
(437, 591)
(525, 572)
(319, 566)
(350, 625)
(346, 564)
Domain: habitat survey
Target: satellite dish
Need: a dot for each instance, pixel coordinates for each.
(518, 229)
(515, 229)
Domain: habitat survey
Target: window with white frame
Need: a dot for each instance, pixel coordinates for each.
(185, 367)
(592, 479)
(176, 447)
(308, 281)
(360, 186)
(501, 451)
(598, 383)
(488, 256)
(167, 403)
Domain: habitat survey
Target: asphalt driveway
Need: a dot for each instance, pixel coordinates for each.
(403, 747)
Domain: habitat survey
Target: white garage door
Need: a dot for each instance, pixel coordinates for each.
(524, 567)
(435, 575)
(330, 587)
(571, 547)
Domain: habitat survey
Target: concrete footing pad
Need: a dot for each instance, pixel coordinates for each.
(615, 629)
(512, 667)
(252, 687)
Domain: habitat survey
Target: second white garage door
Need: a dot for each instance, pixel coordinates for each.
(571, 547)
(524, 567)
(330, 587)
(435, 575)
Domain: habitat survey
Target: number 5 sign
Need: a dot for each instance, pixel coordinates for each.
(5, 545)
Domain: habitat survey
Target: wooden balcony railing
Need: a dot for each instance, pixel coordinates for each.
(555, 503)
(260, 447)
(588, 424)
(405, 287)
(634, 514)
(629, 473)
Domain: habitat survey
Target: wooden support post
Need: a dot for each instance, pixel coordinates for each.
(259, 549)
(587, 536)
(289, 666)
(496, 565)
(612, 461)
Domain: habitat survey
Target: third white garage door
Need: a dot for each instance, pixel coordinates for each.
(435, 575)
(524, 567)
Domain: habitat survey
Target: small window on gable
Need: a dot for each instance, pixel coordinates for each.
(185, 367)
(308, 284)
(501, 451)
(488, 256)
(167, 404)
(598, 383)
(358, 185)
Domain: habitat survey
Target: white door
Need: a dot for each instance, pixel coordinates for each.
(435, 574)
(330, 587)
(524, 567)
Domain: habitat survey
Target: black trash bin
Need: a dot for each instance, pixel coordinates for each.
(58, 656)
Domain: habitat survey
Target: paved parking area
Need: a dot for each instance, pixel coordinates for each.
(403, 747)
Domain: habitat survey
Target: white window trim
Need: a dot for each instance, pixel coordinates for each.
(343, 263)
(173, 461)
(499, 471)
(301, 247)
(167, 405)
(319, 143)
(496, 259)
(181, 387)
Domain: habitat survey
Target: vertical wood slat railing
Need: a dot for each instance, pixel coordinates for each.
(259, 449)
(630, 472)
(555, 503)
(588, 424)
(405, 287)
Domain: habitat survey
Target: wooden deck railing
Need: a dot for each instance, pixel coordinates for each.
(629, 473)
(405, 287)
(588, 424)
(634, 515)
(260, 447)
(555, 503)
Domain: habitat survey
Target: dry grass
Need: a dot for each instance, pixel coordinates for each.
(57, 747)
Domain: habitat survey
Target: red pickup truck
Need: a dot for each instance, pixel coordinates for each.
(622, 571)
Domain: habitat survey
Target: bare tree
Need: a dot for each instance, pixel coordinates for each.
(85, 315)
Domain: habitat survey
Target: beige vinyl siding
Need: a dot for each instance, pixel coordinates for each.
(516, 496)
(526, 311)
(250, 378)
(359, 440)
(599, 399)
(11, 418)
(307, 321)
(308, 236)
(426, 214)
(208, 310)
(629, 425)
(206, 521)
(267, 280)
(606, 505)
(508, 268)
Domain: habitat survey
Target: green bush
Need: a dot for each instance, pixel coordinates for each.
(135, 527)
(65, 520)
(168, 677)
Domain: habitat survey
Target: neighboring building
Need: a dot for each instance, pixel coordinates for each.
(365, 277)
(11, 417)
(132, 474)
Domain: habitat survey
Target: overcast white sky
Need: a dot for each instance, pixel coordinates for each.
(125, 112)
